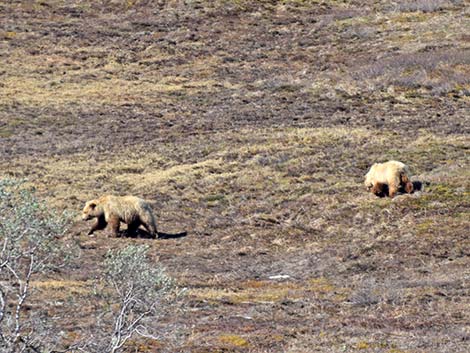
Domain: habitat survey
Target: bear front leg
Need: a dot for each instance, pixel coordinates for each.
(406, 182)
(114, 222)
(99, 224)
(409, 188)
(377, 189)
(392, 191)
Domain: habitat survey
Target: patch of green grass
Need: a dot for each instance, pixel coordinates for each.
(440, 195)
(216, 199)
(5, 133)
(408, 17)
(233, 340)
(424, 227)
(8, 35)
(262, 291)
(362, 345)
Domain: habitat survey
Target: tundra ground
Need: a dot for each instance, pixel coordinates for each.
(250, 125)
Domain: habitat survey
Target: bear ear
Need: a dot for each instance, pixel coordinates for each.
(92, 205)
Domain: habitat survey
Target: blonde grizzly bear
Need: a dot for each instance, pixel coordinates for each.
(113, 210)
(392, 175)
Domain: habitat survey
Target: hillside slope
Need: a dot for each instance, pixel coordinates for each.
(250, 125)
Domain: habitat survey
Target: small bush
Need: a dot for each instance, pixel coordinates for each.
(130, 272)
(422, 5)
(137, 293)
(29, 245)
(435, 71)
(370, 293)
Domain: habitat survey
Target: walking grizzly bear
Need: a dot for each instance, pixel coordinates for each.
(391, 174)
(113, 210)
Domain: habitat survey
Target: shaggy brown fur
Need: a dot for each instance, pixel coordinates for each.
(113, 210)
(388, 177)
(380, 189)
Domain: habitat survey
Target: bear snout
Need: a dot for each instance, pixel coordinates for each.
(86, 217)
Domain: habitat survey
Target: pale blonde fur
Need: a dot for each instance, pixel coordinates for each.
(392, 173)
(111, 209)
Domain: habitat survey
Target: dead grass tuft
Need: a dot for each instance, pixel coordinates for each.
(233, 340)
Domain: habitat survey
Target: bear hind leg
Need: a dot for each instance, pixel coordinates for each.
(149, 225)
(151, 230)
(132, 228)
(147, 220)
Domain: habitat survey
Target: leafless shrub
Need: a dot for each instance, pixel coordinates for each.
(431, 70)
(284, 83)
(441, 88)
(369, 292)
(422, 5)
(414, 79)
(361, 32)
(427, 61)
(366, 294)
(28, 246)
(137, 293)
(276, 160)
(337, 15)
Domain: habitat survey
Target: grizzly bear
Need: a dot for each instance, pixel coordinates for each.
(113, 210)
(391, 175)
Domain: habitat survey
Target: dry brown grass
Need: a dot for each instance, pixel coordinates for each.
(251, 125)
(258, 292)
(63, 289)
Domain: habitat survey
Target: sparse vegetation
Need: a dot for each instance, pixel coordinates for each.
(423, 5)
(137, 294)
(29, 247)
(250, 125)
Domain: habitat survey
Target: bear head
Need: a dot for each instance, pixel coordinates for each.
(370, 176)
(92, 210)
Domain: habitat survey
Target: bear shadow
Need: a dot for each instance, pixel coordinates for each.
(162, 235)
(143, 234)
(418, 185)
